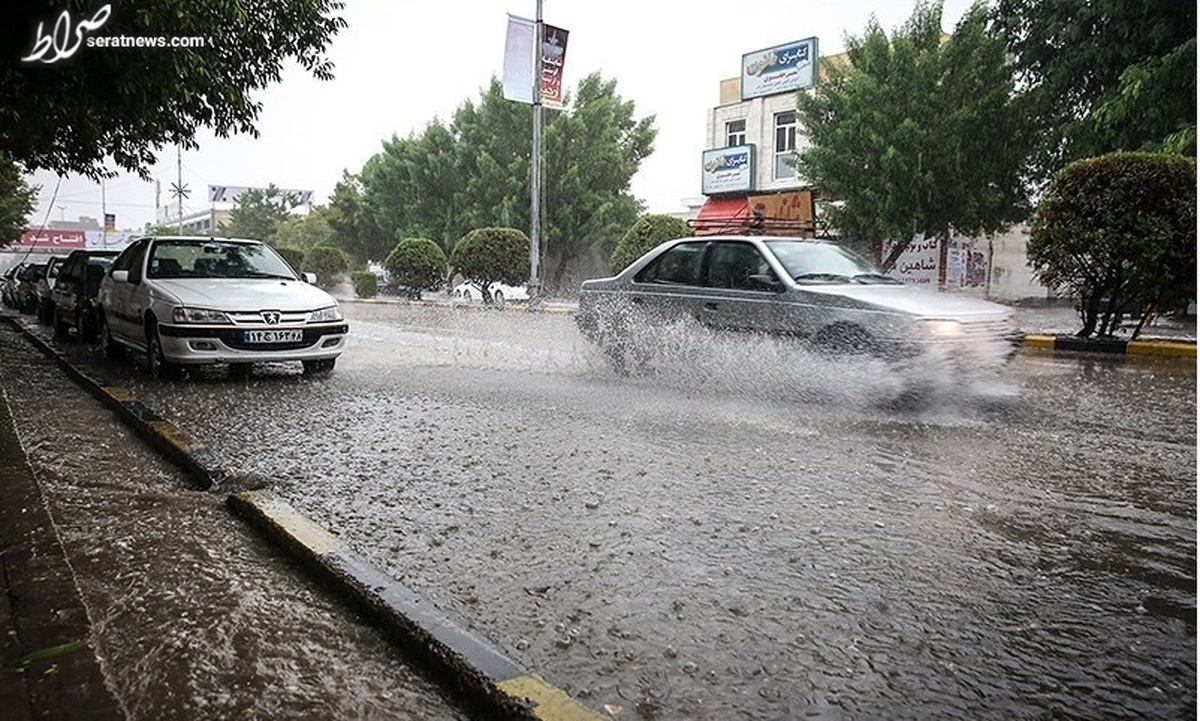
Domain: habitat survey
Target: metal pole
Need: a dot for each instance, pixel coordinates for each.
(179, 182)
(535, 163)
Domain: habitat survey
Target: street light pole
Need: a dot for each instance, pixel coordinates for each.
(535, 164)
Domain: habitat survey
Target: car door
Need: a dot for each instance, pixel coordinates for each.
(65, 292)
(122, 301)
(671, 287)
(743, 289)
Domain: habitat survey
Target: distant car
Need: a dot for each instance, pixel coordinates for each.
(73, 302)
(185, 301)
(470, 293)
(45, 285)
(814, 290)
(26, 299)
(8, 285)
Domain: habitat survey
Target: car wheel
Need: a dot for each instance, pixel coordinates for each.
(60, 326)
(323, 365)
(498, 299)
(157, 364)
(844, 339)
(107, 344)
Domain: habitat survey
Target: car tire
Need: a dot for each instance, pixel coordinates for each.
(107, 344)
(60, 326)
(844, 339)
(498, 299)
(315, 367)
(157, 364)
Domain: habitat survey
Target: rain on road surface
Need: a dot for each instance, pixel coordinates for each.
(749, 532)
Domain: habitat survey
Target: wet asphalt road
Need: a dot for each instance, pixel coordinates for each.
(749, 532)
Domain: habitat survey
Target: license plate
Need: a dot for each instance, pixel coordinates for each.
(273, 336)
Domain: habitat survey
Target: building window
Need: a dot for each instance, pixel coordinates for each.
(785, 145)
(735, 133)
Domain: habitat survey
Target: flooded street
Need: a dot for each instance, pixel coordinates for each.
(744, 532)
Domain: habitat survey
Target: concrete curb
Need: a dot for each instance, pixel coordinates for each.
(1160, 348)
(473, 666)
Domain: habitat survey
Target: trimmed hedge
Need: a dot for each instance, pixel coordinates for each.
(366, 285)
(646, 233)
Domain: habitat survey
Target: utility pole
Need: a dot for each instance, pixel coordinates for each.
(535, 164)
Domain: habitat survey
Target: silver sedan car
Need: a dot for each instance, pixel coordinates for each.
(814, 290)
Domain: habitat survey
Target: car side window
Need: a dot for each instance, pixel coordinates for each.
(734, 265)
(130, 259)
(681, 265)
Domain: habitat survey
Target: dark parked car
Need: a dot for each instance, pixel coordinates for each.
(8, 285)
(26, 292)
(45, 285)
(73, 300)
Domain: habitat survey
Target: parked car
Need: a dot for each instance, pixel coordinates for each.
(8, 285)
(45, 285)
(26, 292)
(184, 301)
(814, 290)
(73, 302)
(470, 293)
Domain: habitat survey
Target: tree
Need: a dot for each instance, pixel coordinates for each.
(1103, 75)
(645, 234)
(327, 263)
(120, 106)
(355, 231)
(1117, 229)
(16, 201)
(917, 134)
(258, 212)
(490, 255)
(306, 231)
(474, 173)
(418, 264)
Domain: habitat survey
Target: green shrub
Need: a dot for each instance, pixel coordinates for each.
(416, 264)
(646, 233)
(366, 285)
(327, 263)
(294, 257)
(489, 255)
(1119, 229)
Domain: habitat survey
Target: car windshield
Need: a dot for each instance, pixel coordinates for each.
(214, 258)
(817, 262)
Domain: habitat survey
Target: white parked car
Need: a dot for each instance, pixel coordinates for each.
(186, 301)
(470, 293)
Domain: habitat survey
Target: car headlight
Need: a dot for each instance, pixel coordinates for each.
(325, 315)
(939, 328)
(183, 314)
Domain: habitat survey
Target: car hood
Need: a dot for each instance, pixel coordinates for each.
(249, 294)
(916, 301)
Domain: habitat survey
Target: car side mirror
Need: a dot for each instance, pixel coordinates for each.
(120, 276)
(766, 281)
(310, 278)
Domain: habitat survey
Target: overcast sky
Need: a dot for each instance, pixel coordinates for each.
(400, 64)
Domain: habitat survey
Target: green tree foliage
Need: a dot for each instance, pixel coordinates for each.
(366, 285)
(258, 213)
(474, 173)
(645, 234)
(1103, 75)
(306, 231)
(327, 263)
(106, 106)
(353, 226)
(294, 256)
(490, 255)
(16, 201)
(418, 264)
(917, 133)
(1116, 229)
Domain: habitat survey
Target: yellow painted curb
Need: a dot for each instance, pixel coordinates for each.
(120, 395)
(174, 436)
(295, 525)
(1044, 342)
(1160, 348)
(552, 704)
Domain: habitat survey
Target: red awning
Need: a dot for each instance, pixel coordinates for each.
(722, 215)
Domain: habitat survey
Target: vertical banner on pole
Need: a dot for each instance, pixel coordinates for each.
(518, 60)
(554, 52)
